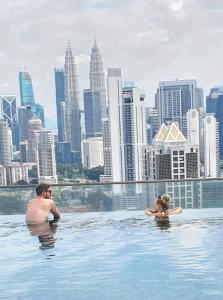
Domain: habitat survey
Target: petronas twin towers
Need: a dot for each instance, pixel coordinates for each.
(72, 122)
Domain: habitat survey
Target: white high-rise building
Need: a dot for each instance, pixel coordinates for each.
(5, 143)
(114, 88)
(134, 132)
(16, 171)
(193, 128)
(3, 179)
(210, 145)
(34, 125)
(92, 152)
(46, 165)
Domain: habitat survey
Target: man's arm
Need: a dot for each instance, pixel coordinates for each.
(55, 211)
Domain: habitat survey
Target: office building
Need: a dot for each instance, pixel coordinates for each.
(46, 163)
(114, 88)
(26, 89)
(5, 143)
(193, 127)
(174, 99)
(8, 109)
(34, 126)
(92, 152)
(92, 112)
(24, 151)
(134, 132)
(63, 153)
(209, 144)
(152, 123)
(40, 113)
(8, 112)
(72, 105)
(3, 178)
(24, 115)
(200, 98)
(60, 103)
(214, 104)
(171, 156)
(97, 77)
(16, 172)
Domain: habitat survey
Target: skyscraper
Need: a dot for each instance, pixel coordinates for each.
(8, 109)
(209, 145)
(26, 89)
(97, 77)
(134, 132)
(92, 113)
(174, 99)
(72, 105)
(34, 125)
(59, 85)
(214, 104)
(8, 112)
(46, 157)
(40, 113)
(24, 115)
(5, 143)
(114, 87)
(171, 156)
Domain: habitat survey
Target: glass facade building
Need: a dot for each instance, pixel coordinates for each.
(174, 99)
(26, 89)
(214, 104)
(59, 86)
(92, 111)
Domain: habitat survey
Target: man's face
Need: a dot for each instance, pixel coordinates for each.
(47, 194)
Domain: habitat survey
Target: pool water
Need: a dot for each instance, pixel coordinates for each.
(114, 255)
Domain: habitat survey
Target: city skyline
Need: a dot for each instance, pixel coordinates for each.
(174, 39)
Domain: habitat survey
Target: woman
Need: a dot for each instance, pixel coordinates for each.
(161, 207)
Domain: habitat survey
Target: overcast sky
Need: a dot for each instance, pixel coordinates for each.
(151, 40)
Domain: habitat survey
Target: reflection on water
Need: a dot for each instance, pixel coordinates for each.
(45, 233)
(116, 255)
(162, 222)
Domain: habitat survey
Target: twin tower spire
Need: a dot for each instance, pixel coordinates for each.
(72, 95)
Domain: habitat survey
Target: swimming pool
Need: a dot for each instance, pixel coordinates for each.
(114, 255)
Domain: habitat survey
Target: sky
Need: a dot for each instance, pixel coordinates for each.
(150, 40)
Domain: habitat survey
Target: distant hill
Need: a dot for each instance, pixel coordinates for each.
(51, 124)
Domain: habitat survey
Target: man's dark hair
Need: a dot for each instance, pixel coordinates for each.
(42, 187)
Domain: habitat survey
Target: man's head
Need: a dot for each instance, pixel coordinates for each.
(43, 189)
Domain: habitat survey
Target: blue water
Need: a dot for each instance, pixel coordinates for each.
(114, 255)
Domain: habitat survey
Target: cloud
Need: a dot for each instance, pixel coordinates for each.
(151, 40)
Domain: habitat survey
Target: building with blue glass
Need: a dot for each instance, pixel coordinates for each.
(26, 89)
(60, 102)
(174, 99)
(40, 113)
(214, 104)
(92, 111)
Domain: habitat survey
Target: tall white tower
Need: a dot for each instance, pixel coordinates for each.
(97, 77)
(5, 143)
(193, 130)
(114, 87)
(134, 132)
(210, 142)
(72, 103)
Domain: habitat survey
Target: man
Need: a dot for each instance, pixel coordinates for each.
(38, 209)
